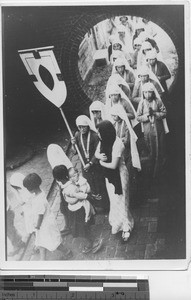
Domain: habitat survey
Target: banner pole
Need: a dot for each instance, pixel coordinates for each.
(71, 135)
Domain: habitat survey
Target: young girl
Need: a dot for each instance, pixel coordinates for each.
(81, 211)
(122, 131)
(110, 154)
(127, 135)
(114, 96)
(97, 112)
(87, 140)
(125, 71)
(43, 220)
(151, 112)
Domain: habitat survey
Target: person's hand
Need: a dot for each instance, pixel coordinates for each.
(103, 157)
(87, 166)
(73, 141)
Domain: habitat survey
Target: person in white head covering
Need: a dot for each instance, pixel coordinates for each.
(146, 38)
(87, 140)
(138, 28)
(144, 75)
(126, 133)
(125, 36)
(118, 45)
(159, 68)
(56, 156)
(114, 96)
(125, 71)
(141, 58)
(132, 160)
(116, 54)
(136, 48)
(151, 112)
(116, 79)
(97, 112)
(109, 48)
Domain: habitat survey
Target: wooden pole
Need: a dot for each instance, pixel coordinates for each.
(71, 135)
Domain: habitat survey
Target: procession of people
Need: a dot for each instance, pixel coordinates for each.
(107, 138)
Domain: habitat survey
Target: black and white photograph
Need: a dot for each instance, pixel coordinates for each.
(94, 133)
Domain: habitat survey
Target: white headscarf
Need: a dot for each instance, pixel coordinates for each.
(113, 88)
(141, 58)
(137, 41)
(115, 54)
(56, 156)
(152, 55)
(117, 109)
(83, 120)
(116, 40)
(16, 179)
(145, 70)
(97, 105)
(121, 61)
(148, 86)
(127, 38)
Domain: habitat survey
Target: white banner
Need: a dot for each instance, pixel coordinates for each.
(42, 65)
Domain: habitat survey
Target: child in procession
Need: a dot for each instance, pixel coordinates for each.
(43, 221)
(81, 211)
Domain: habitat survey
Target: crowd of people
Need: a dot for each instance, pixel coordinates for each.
(107, 141)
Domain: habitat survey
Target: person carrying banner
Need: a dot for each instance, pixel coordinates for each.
(87, 140)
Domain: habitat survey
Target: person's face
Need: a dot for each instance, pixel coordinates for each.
(96, 114)
(151, 61)
(115, 98)
(148, 95)
(73, 175)
(139, 30)
(83, 129)
(137, 47)
(121, 34)
(144, 78)
(147, 50)
(124, 21)
(120, 69)
(115, 118)
(117, 46)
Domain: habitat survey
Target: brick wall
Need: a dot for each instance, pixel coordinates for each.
(65, 28)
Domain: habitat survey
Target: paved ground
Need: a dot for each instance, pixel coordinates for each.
(147, 241)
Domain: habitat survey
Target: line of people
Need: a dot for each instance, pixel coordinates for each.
(135, 109)
(107, 141)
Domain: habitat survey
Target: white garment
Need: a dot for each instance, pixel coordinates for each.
(99, 106)
(83, 203)
(120, 217)
(48, 236)
(69, 188)
(56, 156)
